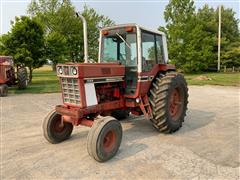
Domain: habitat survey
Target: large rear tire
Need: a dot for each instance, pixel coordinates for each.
(3, 90)
(22, 78)
(104, 139)
(54, 131)
(168, 98)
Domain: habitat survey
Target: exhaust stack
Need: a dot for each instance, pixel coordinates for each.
(85, 38)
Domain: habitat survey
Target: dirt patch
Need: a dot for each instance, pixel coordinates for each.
(202, 78)
(206, 147)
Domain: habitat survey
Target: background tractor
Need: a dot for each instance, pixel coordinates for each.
(132, 76)
(8, 77)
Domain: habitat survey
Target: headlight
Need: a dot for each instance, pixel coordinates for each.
(74, 70)
(60, 70)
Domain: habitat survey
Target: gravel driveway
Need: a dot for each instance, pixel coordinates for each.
(207, 146)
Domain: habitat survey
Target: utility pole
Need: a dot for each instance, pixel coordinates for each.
(219, 35)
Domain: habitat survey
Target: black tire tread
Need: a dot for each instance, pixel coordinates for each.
(22, 78)
(90, 135)
(93, 136)
(158, 100)
(3, 90)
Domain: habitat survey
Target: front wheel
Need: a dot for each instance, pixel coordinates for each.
(168, 99)
(104, 139)
(3, 90)
(54, 130)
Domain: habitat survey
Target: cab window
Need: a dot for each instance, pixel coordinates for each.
(148, 51)
(160, 53)
(110, 49)
(120, 47)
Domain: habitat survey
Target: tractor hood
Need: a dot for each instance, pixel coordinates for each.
(90, 70)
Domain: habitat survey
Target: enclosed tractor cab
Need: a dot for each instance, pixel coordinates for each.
(131, 76)
(8, 77)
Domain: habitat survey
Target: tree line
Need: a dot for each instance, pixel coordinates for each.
(193, 36)
(52, 31)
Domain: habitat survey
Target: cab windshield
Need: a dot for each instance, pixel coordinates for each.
(119, 46)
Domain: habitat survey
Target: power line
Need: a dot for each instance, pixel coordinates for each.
(219, 36)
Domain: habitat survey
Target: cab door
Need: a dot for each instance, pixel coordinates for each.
(152, 51)
(131, 77)
(152, 55)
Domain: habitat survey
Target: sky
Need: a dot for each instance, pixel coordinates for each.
(148, 13)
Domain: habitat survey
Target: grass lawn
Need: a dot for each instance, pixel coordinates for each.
(46, 81)
(222, 79)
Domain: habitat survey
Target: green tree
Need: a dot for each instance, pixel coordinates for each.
(189, 46)
(95, 21)
(179, 16)
(60, 26)
(56, 49)
(231, 55)
(208, 17)
(2, 49)
(60, 17)
(192, 36)
(25, 42)
(230, 36)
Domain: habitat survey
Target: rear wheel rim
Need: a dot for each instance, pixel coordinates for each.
(109, 141)
(176, 104)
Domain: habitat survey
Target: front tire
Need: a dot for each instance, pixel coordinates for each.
(3, 90)
(168, 99)
(104, 139)
(53, 129)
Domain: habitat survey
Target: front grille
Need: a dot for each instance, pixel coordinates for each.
(70, 90)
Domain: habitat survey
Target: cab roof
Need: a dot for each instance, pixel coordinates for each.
(135, 25)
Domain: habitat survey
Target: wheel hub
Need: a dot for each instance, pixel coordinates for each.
(175, 104)
(109, 141)
(59, 126)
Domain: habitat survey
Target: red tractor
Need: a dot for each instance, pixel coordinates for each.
(131, 76)
(8, 77)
